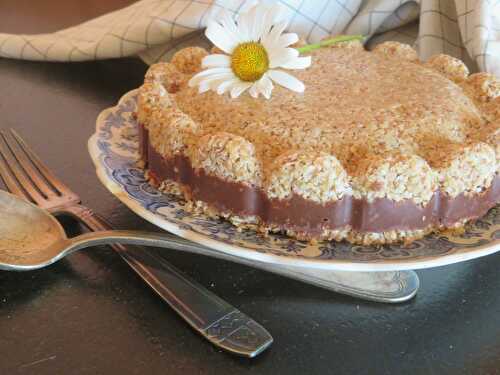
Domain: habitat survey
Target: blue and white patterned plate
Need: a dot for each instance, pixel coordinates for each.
(114, 150)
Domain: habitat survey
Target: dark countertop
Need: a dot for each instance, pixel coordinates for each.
(90, 314)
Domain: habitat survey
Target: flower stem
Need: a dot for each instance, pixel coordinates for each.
(329, 42)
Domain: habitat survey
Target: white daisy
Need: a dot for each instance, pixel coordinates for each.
(255, 47)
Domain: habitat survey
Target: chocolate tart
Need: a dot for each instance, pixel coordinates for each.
(379, 148)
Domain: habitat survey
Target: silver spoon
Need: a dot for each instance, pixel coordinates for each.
(31, 238)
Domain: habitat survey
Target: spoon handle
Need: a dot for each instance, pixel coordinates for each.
(385, 287)
(131, 237)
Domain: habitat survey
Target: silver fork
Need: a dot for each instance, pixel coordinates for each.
(222, 324)
(387, 287)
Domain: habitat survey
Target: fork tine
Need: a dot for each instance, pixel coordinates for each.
(44, 187)
(10, 181)
(13, 166)
(40, 166)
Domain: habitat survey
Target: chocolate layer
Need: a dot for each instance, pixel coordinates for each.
(143, 143)
(305, 216)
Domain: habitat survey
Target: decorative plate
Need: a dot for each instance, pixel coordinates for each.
(114, 150)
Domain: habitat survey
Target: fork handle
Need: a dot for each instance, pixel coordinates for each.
(215, 319)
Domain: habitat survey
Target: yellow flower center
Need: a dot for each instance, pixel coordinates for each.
(249, 61)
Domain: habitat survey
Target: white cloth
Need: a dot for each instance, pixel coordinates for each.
(154, 29)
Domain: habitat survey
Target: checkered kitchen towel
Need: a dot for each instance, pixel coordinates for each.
(154, 29)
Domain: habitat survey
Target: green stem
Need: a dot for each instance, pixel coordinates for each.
(329, 42)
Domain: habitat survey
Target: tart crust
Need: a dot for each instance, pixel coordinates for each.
(379, 134)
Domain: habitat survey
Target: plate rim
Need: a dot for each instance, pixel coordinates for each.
(428, 261)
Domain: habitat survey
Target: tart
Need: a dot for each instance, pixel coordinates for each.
(379, 148)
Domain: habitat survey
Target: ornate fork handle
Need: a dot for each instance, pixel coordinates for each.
(202, 309)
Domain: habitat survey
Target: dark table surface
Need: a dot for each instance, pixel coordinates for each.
(90, 314)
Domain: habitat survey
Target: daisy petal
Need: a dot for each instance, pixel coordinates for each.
(286, 80)
(228, 23)
(213, 82)
(248, 5)
(281, 13)
(226, 85)
(278, 11)
(273, 36)
(219, 36)
(257, 13)
(201, 76)
(245, 23)
(203, 87)
(288, 39)
(298, 63)
(281, 56)
(210, 71)
(239, 88)
(278, 29)
(266, 19)
(254, 90)
(216, 61)
(244, 27)
(219, 77)
(267, 22)
(266, 86)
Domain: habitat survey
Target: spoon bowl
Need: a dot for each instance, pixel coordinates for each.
(31, 238)
(28, 234)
